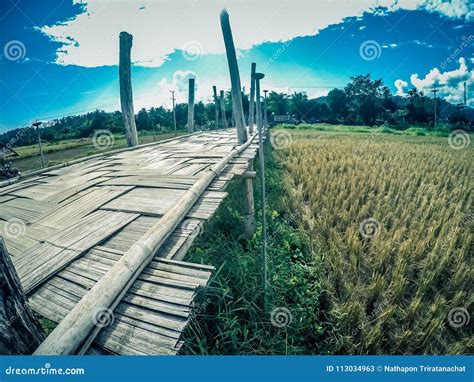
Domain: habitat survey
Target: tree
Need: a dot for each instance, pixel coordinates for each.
(277, 103)
(299, 105)
(337, 103)
(419, 108)
(366, 97)
(142, 120)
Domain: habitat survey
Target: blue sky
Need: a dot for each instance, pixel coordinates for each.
(59, 57)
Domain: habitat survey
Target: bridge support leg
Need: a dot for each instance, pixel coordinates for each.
(249, 205)
(191, 106)
(20, 332)
(216, 106)
(126, 96)
(224, 117)
(252, 98)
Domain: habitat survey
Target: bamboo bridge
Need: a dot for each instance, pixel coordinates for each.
(66, 228)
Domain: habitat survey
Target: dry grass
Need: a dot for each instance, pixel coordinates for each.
(392, 282)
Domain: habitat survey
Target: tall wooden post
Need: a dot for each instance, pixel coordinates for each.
(38, 136)
(265, 119)
(252, 98)
(174, 110)
(126, 96)
(20, 333)
(234, 78)
(191, 106)
(224, 117)
(216, 105)
(258, 77)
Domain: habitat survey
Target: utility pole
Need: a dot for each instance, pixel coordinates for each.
(434, 91)
(252, 97)
(174, 110)
(258, 77)
(37, 124)
(216, 106)
(191, 106)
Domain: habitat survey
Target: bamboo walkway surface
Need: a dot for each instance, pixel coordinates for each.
(65, 228)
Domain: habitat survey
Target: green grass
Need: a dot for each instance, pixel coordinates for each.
(443, 131)
(231, 318)
(67, 150)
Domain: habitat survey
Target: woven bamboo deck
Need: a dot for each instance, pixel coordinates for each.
(65, 228)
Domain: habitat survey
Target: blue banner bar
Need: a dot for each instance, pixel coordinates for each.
(237, 368)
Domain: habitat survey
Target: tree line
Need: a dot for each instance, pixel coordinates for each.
(363, 101)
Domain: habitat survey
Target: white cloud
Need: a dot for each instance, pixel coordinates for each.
(451, 8)
(161, 27)
(401, 85)
(449, 83)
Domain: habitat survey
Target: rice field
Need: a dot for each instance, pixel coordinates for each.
(390, 220)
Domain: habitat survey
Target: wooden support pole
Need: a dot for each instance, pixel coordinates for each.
(20, 332)
(38, 137)
(216, 105)
(258, 77)
(252, 98)
(174, 110)
(191, 106)
(126, 95)
(78, 328)
(224, 117)
(266, 127)
(238, 115)
(238, 110)
(249, 174)
(249, 205)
